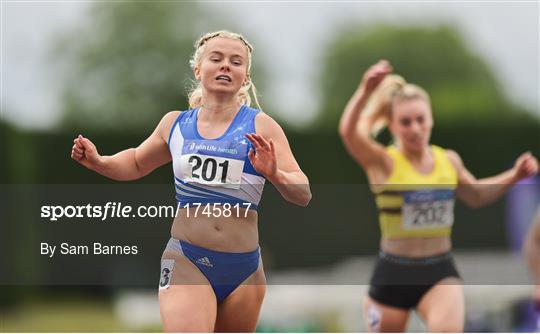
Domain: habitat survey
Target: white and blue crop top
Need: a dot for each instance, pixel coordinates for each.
(215, 170)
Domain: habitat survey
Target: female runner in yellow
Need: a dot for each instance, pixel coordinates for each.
(414, 184)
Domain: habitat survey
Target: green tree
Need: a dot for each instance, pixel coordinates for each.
(129, 63)
(459, 82)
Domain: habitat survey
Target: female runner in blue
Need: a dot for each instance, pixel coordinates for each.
(222, 150)
(414, 184)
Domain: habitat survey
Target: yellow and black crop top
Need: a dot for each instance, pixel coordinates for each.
(412, 204)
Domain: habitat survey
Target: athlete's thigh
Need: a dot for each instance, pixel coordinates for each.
(443, 306)
(187, 301)
(384, 318)
(239, 312)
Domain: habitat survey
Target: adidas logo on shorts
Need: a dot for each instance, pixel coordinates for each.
(204, 261)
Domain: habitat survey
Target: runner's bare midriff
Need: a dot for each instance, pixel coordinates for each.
(416, 247)
(237, 233)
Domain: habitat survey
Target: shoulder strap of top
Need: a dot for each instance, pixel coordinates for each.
(442, 158)
(248, 116)
(439, 154)
(399, 160)
(174, 125)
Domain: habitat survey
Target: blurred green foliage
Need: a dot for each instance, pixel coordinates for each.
(128, 63)
(461, 85)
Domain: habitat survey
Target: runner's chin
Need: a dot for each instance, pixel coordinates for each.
(101, 249)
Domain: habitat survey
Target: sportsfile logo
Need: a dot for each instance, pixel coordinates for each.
(109, 210)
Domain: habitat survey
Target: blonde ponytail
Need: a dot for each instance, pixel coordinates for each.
(378, 111)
